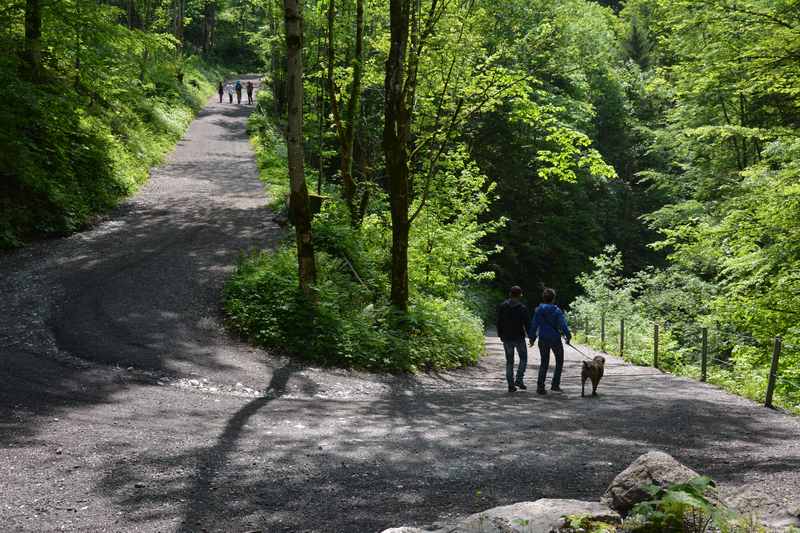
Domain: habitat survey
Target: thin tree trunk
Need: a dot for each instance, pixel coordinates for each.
(206, 30)
(78, 42)
(346, 131)
(33, 38)
(353, 109)
(396, 131)
(298, 200)
(181, 8)
(321, 112)
(348, 187)
(212, 26)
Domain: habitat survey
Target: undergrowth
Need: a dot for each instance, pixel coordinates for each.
(69, 151)
(352, 323)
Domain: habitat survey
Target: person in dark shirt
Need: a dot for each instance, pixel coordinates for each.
(249, 87)
(512, 316)
(548, 324)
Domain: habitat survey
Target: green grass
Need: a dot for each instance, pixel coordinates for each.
(67, 156)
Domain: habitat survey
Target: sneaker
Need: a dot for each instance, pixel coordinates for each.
(555, 389)
(521, 385)
(512, 388)
(541, 391)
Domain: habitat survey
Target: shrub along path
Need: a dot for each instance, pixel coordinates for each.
(196, 431)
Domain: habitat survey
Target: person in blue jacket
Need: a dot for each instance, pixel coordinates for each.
(548, 324)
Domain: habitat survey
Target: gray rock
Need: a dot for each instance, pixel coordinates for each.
(652, 468)
(541, 516)
(784, 520)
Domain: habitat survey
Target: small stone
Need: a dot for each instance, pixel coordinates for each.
(139, 485)
(59, 451)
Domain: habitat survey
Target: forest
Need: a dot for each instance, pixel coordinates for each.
(640, 157)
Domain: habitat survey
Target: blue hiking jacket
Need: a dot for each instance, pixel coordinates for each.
(548, 323)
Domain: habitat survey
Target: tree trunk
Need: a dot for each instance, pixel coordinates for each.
(33, 38)
(396, 131)
(206, 27)
(298, 199)
(277, 66)
(346, 132)
(180, 10)
(212, 26)
(78, 43)
(353, 109)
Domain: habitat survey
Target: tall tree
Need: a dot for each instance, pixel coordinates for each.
(346, 125)
(298, 199)
(33, 38)
(209, 24)
(396, 134)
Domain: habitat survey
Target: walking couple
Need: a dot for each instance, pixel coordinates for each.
(547, 323)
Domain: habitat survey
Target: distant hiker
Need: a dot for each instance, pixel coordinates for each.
(238, 91)
(249, 92)
(229, 89)
(512, 315)
(548, 323)
(221, 91)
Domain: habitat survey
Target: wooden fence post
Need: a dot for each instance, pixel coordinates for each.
(773, 371)
(603, 333)
(586, 330)
(704, 356)
(655, 345)
(621, 337)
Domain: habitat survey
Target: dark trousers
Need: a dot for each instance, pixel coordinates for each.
(220, 98)
(522, 350)
(249, 97)
(544, 352)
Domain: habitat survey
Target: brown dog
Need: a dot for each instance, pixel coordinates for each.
(592, 370)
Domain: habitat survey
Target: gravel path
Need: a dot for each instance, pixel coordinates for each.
(125, 406)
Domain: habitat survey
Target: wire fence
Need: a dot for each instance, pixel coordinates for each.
(763, 369)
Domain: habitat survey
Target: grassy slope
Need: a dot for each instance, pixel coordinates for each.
(66, 156)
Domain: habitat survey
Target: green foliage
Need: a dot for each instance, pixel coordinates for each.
(679, 508)
(682, 304)
(271, 154)
(346, 326)
(85, 135)
(351, 323)
(586, 524)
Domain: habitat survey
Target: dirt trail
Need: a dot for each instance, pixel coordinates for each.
(204, 433)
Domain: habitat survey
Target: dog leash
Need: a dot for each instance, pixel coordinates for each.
(580, 351)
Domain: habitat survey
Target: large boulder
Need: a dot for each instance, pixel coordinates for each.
(652, 468)
(541, 516)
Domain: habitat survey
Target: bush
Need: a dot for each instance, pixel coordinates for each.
(346, 326)
(69, 151)
(681, 304)
(352, 323)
